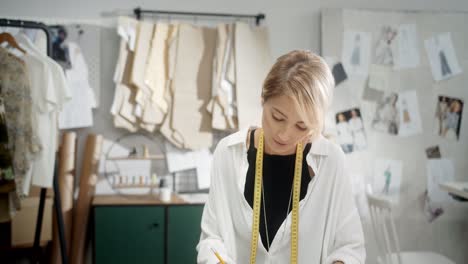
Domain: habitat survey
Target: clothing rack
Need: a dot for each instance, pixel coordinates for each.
(139, 12)
(57, 201)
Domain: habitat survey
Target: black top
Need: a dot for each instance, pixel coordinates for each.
(278, 175)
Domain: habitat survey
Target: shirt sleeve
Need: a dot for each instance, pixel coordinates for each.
(348, 243)
(211, 237)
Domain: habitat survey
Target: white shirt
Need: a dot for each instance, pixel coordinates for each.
(78, 112)
(49, 93)
(329, 224)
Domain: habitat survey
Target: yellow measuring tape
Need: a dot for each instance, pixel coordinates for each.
(257, 199)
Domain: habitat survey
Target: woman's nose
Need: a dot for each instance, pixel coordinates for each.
(284, 135)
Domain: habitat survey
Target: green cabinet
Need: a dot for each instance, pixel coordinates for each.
(183, 228)
(146, 233)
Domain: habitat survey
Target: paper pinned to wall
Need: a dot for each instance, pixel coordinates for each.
(379, 77)
(356, 52)
(439, 171)
(406, 51)
(203, 160)
(410, 120)
(180, 160)
(442, 57)
(387, 178)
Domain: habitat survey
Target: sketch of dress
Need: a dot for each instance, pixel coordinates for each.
(356, 55)
(445, 69)
(406, 115)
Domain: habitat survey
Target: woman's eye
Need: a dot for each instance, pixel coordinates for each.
(277, 118)
(301, 128)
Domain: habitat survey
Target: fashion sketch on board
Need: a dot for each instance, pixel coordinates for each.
(386, 117)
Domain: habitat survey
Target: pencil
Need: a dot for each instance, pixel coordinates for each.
(218, 256)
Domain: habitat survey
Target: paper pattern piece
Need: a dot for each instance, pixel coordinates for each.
(192, 86)
(251, 44)
(356, 52)
(442, 57)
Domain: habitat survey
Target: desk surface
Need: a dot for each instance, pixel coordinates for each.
(103, 200)
(456, 188)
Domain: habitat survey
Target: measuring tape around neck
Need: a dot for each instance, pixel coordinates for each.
(257, 199)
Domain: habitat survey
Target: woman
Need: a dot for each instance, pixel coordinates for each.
(451, 120)
(357, 128)
(295, 96)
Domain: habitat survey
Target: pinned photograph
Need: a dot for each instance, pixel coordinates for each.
(60, 50)
(448, 117)
(406, 49)
(339, 73)
(356, 52)
(433, 152)
(387, 178)
(442, 57)
(387, 117)
(410, 120)
(383, 48)
(350, 131)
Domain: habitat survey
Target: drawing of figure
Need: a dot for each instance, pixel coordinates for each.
(356, 55)
(444, 67)
(388, 179)
(387, 115)
(406, 115)
(383, 50)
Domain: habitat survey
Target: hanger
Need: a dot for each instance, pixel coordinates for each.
(7, 37)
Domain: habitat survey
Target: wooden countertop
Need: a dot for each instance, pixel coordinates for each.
(100, 200)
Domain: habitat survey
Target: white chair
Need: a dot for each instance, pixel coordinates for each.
(387, 239)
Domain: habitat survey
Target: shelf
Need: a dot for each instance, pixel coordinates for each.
(152, 157)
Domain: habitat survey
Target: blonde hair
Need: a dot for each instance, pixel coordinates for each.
(305, 77)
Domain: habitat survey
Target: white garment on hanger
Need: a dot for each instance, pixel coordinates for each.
(55, 91)
(78, 112)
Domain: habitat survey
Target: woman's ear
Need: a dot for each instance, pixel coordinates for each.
(263, 101)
